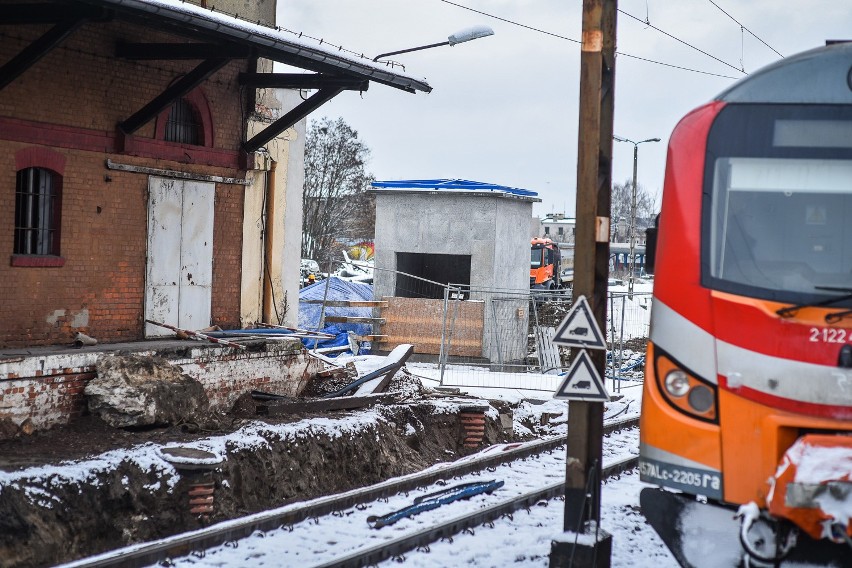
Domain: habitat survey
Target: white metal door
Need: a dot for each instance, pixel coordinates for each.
(180, 254)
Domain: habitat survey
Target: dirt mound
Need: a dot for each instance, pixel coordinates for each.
(125, 493)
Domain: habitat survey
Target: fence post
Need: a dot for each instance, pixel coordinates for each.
(621, 343)
(441, 352)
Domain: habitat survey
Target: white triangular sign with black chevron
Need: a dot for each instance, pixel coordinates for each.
(582, 382)
(579, 328)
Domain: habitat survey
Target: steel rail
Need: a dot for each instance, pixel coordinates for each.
(147, 554)
(373, 555)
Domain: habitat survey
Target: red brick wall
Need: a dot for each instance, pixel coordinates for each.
(227, 268)
(71, 102)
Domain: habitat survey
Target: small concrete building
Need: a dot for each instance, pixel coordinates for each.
(455, 231)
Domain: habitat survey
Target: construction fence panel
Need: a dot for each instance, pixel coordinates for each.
(628, 329)
(517, 330)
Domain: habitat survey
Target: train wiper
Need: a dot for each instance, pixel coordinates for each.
(837, 316)
(847, 295)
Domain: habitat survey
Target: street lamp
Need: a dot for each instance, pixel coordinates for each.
(467, 34)
(631, 259)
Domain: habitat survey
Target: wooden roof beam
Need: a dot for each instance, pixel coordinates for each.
(47, 13)
(302, 81)
(301, 111)
(181, 51)
(31, 54)
(180, 87)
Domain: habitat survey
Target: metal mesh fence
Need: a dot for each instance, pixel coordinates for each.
(628, 328)
(503, 338)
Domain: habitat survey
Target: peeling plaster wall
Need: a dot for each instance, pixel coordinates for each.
(287, 150)
(40, 392)
(291, 251)
(251, 283)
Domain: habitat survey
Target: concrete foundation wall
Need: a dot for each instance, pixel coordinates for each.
(40, 392)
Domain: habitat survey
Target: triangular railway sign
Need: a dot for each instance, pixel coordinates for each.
(579, 328)
(582, 382)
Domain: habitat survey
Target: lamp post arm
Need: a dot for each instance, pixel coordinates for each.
(376, 58)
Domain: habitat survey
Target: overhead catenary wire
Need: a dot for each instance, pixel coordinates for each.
(742, 27)
(558, 36)
(686, 43)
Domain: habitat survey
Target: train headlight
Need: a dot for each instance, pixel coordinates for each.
(677, 383)
(701, 398)
(683, 390)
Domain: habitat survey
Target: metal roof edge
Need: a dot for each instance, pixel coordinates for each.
(473, 193)
(269, 40)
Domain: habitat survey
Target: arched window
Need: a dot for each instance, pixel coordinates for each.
(37, 211)
(184, 124)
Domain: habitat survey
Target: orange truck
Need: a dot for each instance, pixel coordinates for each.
(544, 265)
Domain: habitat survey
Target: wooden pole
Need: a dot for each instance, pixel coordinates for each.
(197, 334)
(591, 263)
(269, 230)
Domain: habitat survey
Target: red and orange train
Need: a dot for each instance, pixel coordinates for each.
(747, 402)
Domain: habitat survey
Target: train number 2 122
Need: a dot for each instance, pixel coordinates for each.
(828, 335)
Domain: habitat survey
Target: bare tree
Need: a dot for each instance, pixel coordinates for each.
(622, 197)
(335, 188)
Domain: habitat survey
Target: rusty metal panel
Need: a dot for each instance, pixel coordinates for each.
(196, 263)
(165, 209)
(420, 321)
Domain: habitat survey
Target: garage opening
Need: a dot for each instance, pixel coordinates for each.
(444, 268)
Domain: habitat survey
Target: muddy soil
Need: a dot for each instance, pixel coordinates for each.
(49, 520)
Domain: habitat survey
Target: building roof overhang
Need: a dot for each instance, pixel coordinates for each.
(216, 39)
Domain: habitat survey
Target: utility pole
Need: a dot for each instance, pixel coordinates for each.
(591, 272)
(631, 260)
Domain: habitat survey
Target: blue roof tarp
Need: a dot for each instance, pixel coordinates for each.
(453, 185)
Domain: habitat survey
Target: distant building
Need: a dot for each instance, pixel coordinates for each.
(560, 229)
(556, 227)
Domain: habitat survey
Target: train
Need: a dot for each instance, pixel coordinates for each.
(746, 424)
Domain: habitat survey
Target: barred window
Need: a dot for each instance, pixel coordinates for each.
(37, 209)
(183, 124)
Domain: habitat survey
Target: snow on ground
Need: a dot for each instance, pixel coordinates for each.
(523, 542)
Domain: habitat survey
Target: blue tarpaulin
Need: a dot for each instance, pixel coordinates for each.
(338, 290)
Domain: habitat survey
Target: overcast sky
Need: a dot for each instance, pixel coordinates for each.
(504, 108)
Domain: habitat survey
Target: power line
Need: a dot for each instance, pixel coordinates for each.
(676, 66)
(680, 40)
(577, 41)
(513, 23)
(745, 28)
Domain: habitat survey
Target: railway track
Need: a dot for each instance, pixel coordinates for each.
(231, 532)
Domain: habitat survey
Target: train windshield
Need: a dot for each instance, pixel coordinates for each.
(778, 224)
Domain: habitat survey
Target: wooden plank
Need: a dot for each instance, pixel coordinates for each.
(394, 361)
(420, 322)
(348, 303)
(353, 319)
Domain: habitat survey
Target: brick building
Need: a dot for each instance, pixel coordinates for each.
(147, 153)
(125, 165)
